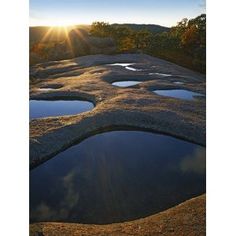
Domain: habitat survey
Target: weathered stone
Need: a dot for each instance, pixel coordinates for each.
(137, 107)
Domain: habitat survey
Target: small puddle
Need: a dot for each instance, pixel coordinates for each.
(46, 89)
(178, 93)
(132, 69)
(161, 74)
(45, 108)
(178, 82)
(126, 66)
(50, 87)
(116, 176)
(125, 83)
(121, 64)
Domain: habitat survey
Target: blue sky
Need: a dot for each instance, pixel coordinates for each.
(162, 12)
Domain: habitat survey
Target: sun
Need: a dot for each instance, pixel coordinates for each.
(59, 30)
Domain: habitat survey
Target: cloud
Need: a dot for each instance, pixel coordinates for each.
(195, 163)
(67, 200)
(42, 212)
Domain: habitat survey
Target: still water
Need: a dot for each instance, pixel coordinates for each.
(178, 93)
(116, 176)
(161, 74)
(126, 83)
(45, 108)
(46, 89)
(127, 66)
(178, 82)
(121, 64)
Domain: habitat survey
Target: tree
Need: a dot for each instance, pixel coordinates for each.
(142, 39)
(100, 29)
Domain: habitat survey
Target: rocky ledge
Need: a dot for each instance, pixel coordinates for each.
(137, 107)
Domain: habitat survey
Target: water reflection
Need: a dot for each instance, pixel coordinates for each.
(178, 82)
(160, 74)
(125, 83)
(116, 176)
(126, 66)
(195, 163)
(121, 64)
(132, 68)
(46, 89)
(178, 93)
(44, 108)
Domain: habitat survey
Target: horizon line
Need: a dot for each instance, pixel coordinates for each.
(89, 24)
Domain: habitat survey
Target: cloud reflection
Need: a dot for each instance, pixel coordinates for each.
(196, 162)
(69, 200)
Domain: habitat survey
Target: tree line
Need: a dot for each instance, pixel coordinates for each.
(184, 44)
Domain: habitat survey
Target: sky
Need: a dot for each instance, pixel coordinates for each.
(69, 12)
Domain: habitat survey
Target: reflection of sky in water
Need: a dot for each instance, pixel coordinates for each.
(126, 83)
(178, 82)
(46, 89)
(196, 162)
(116, 176)
(43, 108)
(132, 68)
(161, 74)
(121, 64)
(126, 65)
(178, 93)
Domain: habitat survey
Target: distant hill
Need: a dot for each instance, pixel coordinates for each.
(37, 33)
(52, 43)
(151, 27)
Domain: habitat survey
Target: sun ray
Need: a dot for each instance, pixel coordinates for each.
(81, 36)
(64, 34)
(46, 35)
(68, 40)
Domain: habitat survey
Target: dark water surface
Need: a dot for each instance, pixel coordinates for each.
(126, 83)
(116, 176)
(178, 93)
(44, 108)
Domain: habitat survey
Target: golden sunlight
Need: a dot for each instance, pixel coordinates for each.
(56, 31)
(60, 33)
